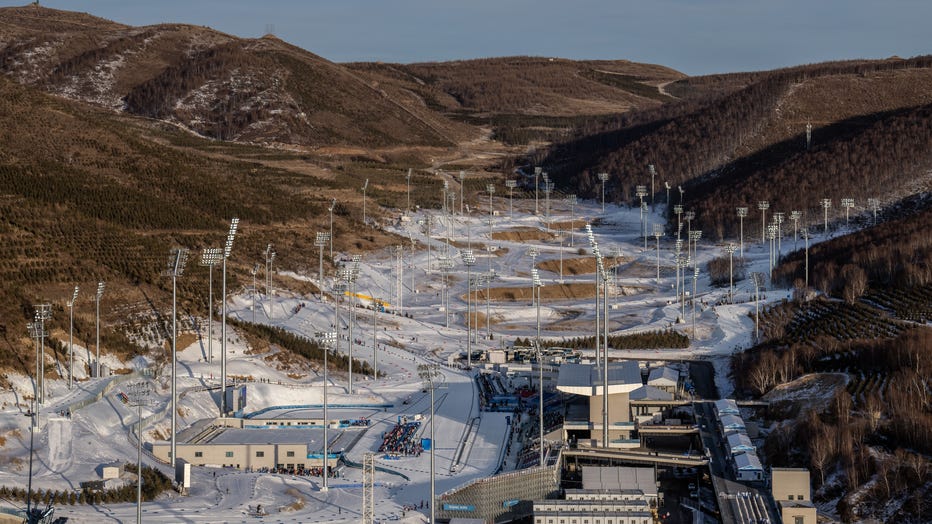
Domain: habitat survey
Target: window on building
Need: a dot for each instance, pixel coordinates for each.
(198, 454)
(800, 497)
(799, 520)
(290, 453)
(260, 454)
(790, 497)
(229, 454)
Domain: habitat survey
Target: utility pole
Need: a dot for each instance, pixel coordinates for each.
(604, 178)
(763, 205)
(742, 212)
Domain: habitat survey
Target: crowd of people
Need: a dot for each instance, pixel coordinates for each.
(401, 440)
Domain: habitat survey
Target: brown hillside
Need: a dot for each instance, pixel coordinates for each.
(256, 90)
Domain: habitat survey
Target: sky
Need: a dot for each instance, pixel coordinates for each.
(693, 36)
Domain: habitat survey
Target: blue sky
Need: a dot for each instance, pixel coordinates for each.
(693, 36)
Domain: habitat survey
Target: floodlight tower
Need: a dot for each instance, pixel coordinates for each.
(227, 249)
(209, 257)
(333, 204)
(758, 280)
(97, 297)
(74, 297)
(572, 200)
(795, 216)
(658, 233)
(763, 205)
(826, 203)
(537, 172)
(602, 276)
(535, 289)
(548, 188)
(176, 262)
(678, 211)
(350, 275)
(462, 185)
(805, 235)
(511, 185)
(677, 255)
(320, 240)
(255, 293)
(730, 249)
(689, 216)
(604, 178)
(445, 265)
(847, 203)
(399, 280)
(653, 173)
(593, 245)
(682, 191)
(667, 186)
(778, 218)
(641, 192)
(694, 237)
(695, 278)
(489, 278)
(874, 205)
(268, 271)
(331, 341)
(427, 223)
(469, 260)
(771, 236)
(429, 374)
(533, 252)
(644, 212)
(683, 262)
(491, 189)
(365, 186)
(271, 286)
(36, 331)
(43, 313)
(408, 181)
(138, 397)
(742, 212)
(444, 192)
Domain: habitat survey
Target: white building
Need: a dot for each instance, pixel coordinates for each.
(664, 378)
(748, 467)
(587, 380)
(726, 406)
(610, 495)
(739, 442)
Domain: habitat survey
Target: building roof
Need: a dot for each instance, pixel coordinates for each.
(619, 479)
(586, 379)
(726, 406)
(748, 462)
(739, 442)
(650, 393)
(309, 436)
(663, 376)
(732, 421)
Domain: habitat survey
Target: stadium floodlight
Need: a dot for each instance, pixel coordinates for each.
(511, 185)
(874, 205)
(430, 373)
(847, 203)
(491, 189)
(255, 294)
(138, 397)
(271, 286)
(469, 260)
(771, 236)
(209, 257)
(227, 250)
(488, 278)
(603, 177)
(548, 189)
(408, 181)
(805, 234)
(658, 232)
(678, 211)
(695, 279)
(74, 297)
(97, 297)
(742, 212)
(682, 262)
(445, 265)
(399, 278)
(43, 312)
(364, 187)
(653, 173)
(667, 186)
(826, 203)
(688, 217)
(601, 278)
(321, 240)
(795, 216)
(572, 200)
(758, 280)
(537, 172)
(333, 204)
(763, 205)
(330, 343)
(349, 275)
(730, 249)
(778, 218)
(35, 331)
(693, 240)
(462, 184)
(176, 261)
(682, 191)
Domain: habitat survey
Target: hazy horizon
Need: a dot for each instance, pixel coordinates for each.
(715, 36)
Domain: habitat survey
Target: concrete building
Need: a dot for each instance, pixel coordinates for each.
(667, 379)
(731, 423)
(748, 467)
(739, 442)
(610, 495)
(726, 406)
(790, 487)
(586, 380)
